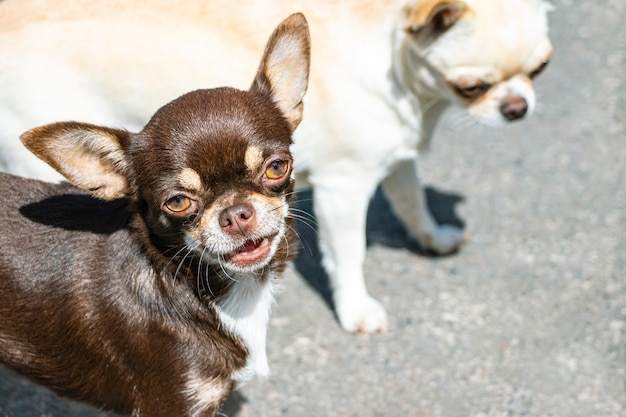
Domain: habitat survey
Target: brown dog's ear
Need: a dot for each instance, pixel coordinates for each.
(89, 156)
(284, 69)
(431, 18)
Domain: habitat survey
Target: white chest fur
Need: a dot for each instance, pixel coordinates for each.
(245, 312)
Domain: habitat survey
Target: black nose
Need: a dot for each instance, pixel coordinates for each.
(514, 108)
(237, 219)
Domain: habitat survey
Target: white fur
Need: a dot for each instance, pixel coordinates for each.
(374, 96)
(245, 312)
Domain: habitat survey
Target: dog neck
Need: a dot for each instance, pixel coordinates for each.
(244, 310)
(421, 84)
(421, 103)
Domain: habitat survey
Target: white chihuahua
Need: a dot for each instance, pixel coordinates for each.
(382, 73)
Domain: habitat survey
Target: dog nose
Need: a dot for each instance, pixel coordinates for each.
(514, 108)
(237, 219)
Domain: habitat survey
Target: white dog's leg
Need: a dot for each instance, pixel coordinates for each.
(408, 200)
(341, 211)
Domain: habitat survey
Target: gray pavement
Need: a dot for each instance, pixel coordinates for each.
(528, 319)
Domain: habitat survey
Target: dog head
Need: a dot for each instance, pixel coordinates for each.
(210, 175)
(482, 54)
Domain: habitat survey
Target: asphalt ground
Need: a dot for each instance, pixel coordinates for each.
(528, 319)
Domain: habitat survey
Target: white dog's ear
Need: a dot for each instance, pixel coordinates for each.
(431, 18)
(90, 157)
(284, 69)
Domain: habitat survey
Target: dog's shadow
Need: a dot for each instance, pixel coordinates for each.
(383, 227)
(233, 405)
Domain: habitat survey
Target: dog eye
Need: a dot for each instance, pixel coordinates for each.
(471, 91)
(540, 68)
(178, 204)
(276, 169)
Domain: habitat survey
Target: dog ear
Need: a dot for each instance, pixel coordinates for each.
(90, 157)
(284, 69)
(431, 19)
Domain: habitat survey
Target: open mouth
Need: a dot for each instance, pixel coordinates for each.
(252, 252)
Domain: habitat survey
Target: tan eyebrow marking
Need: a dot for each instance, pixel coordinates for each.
(253, 157)
(190, 179)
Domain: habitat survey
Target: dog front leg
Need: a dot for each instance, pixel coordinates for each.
(341, 211)
(408, 200)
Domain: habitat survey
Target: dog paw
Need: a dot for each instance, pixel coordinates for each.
(364, 315)
(446, 239)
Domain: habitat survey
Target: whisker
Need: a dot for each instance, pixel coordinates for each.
(203, 280)
(301, 200)
(304, 243)
(303, 214)
(180, 264)
(199, 279)
(220, 260)
(178, 252)
(284, 237)
(291, 209)
(177, 248)
(306, 223)
(300, 215)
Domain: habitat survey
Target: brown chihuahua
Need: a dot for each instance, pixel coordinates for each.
(153, 298)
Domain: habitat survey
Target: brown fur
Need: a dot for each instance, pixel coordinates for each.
(100, 300)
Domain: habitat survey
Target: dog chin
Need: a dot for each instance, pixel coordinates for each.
(492, 119)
